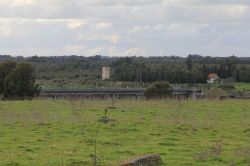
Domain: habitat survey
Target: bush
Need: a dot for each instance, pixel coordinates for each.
(18, 81)
(215, 93)
(158, 90)
(5, 69)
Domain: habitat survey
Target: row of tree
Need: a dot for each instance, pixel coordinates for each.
(17, 80)
(192, 69)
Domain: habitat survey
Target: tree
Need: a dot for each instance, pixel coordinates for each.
(20, 82)
(189, 63)
(5, 69)
(158, 90)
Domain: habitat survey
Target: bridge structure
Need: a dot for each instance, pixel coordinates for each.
(93, 93)
(113, 93)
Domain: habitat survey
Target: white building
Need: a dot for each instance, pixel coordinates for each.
(213, 78)
(105, 73)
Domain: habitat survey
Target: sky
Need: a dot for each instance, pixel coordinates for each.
(125, 27)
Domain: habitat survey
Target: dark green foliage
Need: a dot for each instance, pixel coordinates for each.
(189, 63)
(191, 70)
(5, 69)
(18, 80)
(158, 90)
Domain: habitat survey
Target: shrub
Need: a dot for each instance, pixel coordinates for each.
(18, 81)
(5, 69)
(158, 90)
(215, 93)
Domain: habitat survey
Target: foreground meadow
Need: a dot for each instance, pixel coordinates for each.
(67, 132)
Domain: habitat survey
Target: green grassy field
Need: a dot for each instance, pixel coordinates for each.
(243, 86)
(55, 133)
(78, 84)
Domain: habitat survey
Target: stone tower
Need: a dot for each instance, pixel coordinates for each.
(105, 73)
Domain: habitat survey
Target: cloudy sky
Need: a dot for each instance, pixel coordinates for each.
(125, 27)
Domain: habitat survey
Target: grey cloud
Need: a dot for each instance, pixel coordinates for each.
(125, 27)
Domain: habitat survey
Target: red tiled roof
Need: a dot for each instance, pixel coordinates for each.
(213, 75)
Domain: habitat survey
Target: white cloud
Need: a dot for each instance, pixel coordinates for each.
(113, 51)
(186, 28)
(119, 2)
(75, 49)
(135, 51)
(103, 25)
(76, 23)
(138, 29)
(205, 2)
(125, 27)
(96, 51)
(16, 3)
(114, 39)
(5, 30)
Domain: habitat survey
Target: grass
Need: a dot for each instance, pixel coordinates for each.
(49, 133)
(242, 86)
(82, 84)
(238, 86)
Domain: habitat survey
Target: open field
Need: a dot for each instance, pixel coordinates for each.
(78, 84)
(242, 86)
(49, 133)
(238, 86)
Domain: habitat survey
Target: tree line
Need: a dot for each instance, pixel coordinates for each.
(192, 69)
